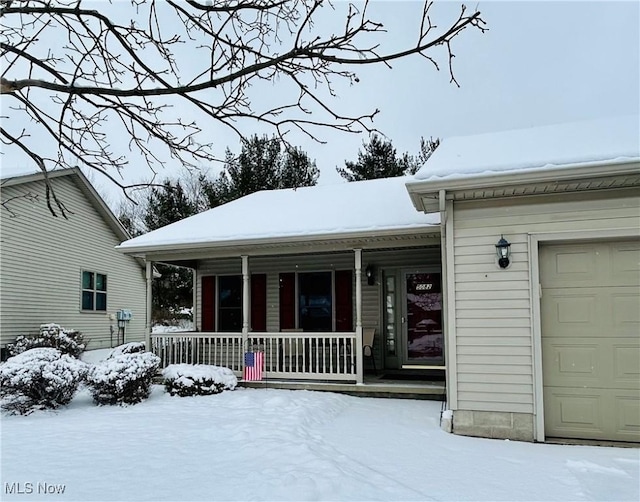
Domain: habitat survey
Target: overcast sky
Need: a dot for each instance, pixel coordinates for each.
(539, 63)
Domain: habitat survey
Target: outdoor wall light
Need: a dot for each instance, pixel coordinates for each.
(503, 250)
(370, 272)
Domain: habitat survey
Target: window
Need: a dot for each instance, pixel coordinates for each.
(94, 291)
(390, 314)
(315, 301)
(222, 301)
(230, 303)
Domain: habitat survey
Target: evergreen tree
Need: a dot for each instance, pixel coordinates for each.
(127, 222)
(167, 204)
(263, 164)
(297, 169)
(427, 147)
(380, 160)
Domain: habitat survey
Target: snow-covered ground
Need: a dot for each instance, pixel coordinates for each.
(251, 444)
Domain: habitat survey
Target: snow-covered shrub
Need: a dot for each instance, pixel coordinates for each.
(123, 379)
(39, 378)
(67, 341)
(197, 379)
(127, 348)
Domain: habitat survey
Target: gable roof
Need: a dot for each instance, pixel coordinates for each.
(15, 177)
(603, 147)
(363, 208)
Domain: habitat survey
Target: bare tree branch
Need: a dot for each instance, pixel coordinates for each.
(163, 74)
(6, 203)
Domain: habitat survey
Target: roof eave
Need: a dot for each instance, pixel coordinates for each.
(36, 176)
(420, 189)
(296, 239)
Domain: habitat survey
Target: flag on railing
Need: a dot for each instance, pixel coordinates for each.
(253, 366)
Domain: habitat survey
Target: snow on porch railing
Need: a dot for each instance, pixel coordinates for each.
(300, 356)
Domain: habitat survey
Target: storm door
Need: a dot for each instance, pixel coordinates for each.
(422, 320)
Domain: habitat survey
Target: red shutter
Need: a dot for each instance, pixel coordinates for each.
(344, 300)
(258, 302)
(208, 286)
(287, 301)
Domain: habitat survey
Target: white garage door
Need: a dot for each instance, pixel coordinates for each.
(590, 310)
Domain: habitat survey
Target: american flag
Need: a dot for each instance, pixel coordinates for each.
(253, 366)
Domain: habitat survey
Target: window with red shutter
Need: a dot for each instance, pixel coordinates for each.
(208, 295)
(344, 300)
(287, 300)
(259, 302)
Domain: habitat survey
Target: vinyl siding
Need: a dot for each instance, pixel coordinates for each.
(494, 347)
(371, 295)
(42, 259)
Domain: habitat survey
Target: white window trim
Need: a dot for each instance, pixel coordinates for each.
(94, 290)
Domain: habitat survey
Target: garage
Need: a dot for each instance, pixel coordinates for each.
(590, 319)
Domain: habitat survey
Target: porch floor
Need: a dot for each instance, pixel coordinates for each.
(373, 386)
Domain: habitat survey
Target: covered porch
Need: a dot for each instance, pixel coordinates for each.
(323, 283)
(313, 361)
(364, 329)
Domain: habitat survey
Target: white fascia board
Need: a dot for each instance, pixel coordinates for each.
(430, 189)
(168, 247)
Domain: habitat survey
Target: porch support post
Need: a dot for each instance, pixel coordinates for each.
(147, 325)
(245, 301)
(359, 349)
(194, 293)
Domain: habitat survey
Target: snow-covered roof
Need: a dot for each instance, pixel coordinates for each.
(577, 144)
(364, 207)
(7, 172)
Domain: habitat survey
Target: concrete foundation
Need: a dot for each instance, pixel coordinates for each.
(494, 424)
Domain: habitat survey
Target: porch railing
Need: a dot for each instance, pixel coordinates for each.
(300, 356)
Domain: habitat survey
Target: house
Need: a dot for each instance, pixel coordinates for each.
(545, 343)
(65, 270)
(304, 276)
